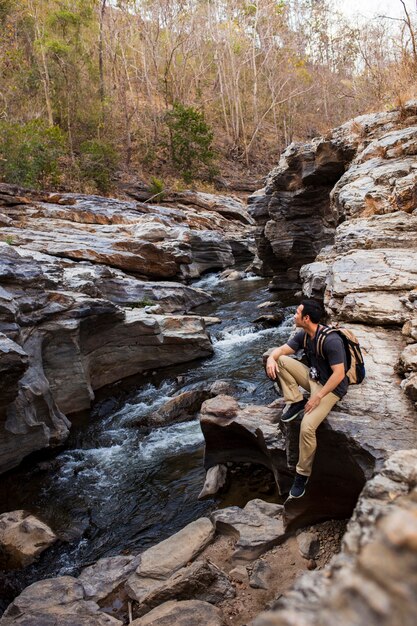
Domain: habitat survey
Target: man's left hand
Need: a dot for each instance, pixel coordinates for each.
(313, 403)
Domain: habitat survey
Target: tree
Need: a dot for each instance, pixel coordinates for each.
(190, 141)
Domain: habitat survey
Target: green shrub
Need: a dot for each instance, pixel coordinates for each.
(190, 140)
(98, 163)
(30, 153)
(9, 239)
(140, 304)
(156, 188)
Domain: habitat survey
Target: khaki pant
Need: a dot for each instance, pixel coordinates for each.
(291, 374)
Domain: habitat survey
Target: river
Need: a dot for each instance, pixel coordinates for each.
(119, 487)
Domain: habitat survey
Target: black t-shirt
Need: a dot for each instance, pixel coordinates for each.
(333, 351)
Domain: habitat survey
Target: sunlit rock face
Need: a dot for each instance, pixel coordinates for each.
(362, 168)
(368, 275)
(198, 233)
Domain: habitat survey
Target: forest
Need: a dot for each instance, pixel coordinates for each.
(180, 92)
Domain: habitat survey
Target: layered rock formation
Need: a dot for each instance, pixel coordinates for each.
(65, 334)
(146, 240)
(71, 319)
(370, 159)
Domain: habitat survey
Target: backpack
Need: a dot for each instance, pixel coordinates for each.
(355, 364)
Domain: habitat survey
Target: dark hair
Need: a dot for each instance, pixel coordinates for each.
(313, 309)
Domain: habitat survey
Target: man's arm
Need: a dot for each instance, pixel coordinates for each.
(271, 363)
(334, 380)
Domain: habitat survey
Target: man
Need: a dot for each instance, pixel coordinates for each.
(326, 381)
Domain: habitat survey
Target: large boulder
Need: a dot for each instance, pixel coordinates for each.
(199, 581)
(257, 528)
(167, 557)
(23, 537)
(55, 601)
(184, 613)
(181, 407)
(106, 575)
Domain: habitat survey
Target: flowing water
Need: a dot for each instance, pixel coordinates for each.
(119, 487)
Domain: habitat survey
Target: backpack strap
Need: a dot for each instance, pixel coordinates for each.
(321, 335)
(321, 338)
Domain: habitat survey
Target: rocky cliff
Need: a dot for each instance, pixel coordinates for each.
(362, 168)
(80, 306)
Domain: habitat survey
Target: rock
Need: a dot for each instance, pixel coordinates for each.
(13, 364)
(269, 304)
(261, 574)
(293, 212)
(210, 321)
(199, 581)
(269, 321)
(255, 527)
(409, 385)
(239, 574)
(222, 387)
(408, 359)
(23, 537)
(169, 555)
(186, 613)
(410, 329)
(374, 573)
(63, 288)
(58, 317)
(182, 407)
(100, 579)
(308, 544)
(56, 601)
(375, 270)
(314, 276)
(215, 480)
(232, 275)
(221, 406)
(247, 435)
(154, 241)
(228, 206)
(5, 221)
(296, 214)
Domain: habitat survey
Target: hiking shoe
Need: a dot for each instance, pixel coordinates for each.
(298, 488)
(293, 410)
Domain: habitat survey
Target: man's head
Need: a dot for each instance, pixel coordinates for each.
(308, 313)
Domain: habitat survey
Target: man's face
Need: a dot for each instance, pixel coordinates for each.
(298, 318)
